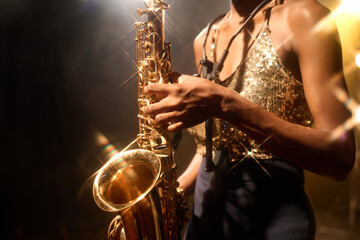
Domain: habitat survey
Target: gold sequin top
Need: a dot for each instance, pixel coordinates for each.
(264, 80)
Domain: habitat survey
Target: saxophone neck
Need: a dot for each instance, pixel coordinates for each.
(155, 12)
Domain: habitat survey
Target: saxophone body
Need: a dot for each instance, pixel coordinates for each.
(140, 185)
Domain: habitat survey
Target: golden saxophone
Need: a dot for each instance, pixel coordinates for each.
(140, 185)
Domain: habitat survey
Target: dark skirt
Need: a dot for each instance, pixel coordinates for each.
(246, 203)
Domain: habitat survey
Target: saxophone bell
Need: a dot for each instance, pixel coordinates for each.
(125, 179)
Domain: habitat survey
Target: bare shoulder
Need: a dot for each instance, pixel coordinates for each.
(310, 20)
(297, 15)
(302, 20)
(304, 13)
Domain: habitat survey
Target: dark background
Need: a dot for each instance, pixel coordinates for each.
(67, 77)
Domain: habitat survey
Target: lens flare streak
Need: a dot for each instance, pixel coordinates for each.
(131, 29)
(353, 107)
(110, 151)
(124, 85)
(129, 57)
(250, 154)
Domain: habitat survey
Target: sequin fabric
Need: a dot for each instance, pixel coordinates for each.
(262, 79)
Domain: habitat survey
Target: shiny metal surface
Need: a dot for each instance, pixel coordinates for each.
(140, 185)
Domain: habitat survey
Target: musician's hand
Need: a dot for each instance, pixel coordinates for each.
(184, 104)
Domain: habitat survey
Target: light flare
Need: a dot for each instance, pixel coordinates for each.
(149, 3)
(357, 115)
(251, 155)
(348, 10)
(125, 84)
(353, 107)
(357, 60)
(350, 6)
(172, 27)
(130, 58)
(131, 29)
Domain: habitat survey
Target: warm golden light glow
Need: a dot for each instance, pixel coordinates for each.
(357, 115)
(357, 60)
(350, 6)
(149, 3)
(353, 107)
